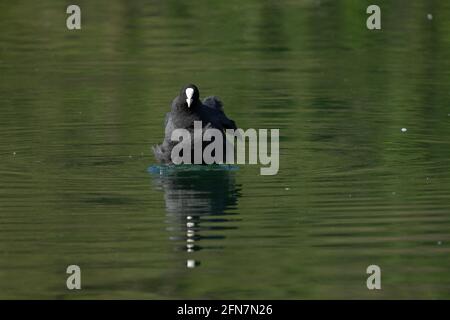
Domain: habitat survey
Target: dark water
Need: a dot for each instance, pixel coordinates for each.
(79, 111)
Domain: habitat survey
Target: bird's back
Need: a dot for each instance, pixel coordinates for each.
(213, 102)
(213, 113)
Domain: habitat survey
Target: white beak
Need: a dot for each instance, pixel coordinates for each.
(189, 94)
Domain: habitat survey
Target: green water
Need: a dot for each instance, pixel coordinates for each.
(79, 111)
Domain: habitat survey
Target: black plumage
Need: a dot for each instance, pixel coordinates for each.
(187, 108)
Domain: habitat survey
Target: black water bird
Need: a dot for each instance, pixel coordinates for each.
(187, 108)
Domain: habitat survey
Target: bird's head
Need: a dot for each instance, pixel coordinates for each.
(190, 95)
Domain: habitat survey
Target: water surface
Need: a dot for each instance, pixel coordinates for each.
(79, 111)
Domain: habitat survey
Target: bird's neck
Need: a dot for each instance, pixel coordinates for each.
(193, 108)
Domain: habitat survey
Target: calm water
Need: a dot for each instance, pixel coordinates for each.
(79, 111)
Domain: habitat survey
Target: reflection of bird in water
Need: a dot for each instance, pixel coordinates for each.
(194, 197)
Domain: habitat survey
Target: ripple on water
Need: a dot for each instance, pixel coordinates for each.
(168, 169)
